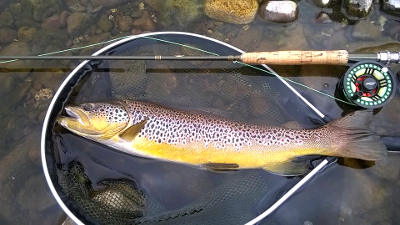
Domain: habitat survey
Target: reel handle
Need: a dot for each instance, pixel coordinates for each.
(333, 57)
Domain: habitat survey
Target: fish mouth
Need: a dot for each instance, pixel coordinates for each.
(76, 113)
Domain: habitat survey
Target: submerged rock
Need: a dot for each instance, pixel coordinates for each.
(7, 35)
(26, 33)
(76, 22)
(104, 23)
(45, 8)
(279, 11)
(365, 30)
(6, 18)
(124, 23)
(232, 11)
(77, 5)
(391, 6)
(359, 8)
(56, 21)
(180, 12)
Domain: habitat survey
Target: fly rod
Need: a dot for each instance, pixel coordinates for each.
(331, 57)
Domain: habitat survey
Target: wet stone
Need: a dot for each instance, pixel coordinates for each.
(279, 11)
(45, 8)
(232, 11)
(365, 30)
(359, 8)
(391, 6)
(323, 3)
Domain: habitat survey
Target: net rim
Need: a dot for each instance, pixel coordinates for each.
(98, 52)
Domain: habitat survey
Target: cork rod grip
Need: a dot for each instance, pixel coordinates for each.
(335, 57)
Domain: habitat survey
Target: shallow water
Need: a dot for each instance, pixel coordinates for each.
(343, 195)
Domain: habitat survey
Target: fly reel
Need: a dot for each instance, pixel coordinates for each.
(368, 84)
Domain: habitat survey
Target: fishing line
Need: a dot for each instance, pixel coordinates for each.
(193, 48)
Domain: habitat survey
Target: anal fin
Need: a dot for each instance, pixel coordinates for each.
(290, 168)
(221, 166)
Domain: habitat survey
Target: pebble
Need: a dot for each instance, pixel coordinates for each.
(279, 11)
(391, 6)
(77, 5)
(231, 11)
(358, 8)
(7, 35)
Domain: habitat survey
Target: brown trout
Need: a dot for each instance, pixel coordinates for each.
(154, 131)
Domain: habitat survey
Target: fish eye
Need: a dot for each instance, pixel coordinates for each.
(89, 107)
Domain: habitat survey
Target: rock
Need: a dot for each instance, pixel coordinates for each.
(279, 11)
(76, 22)
(323, 17)
(56, 21)
(144, 23)
(6, 19)
(124, 23)
(45, 8)
(391, 6)
(7, 35)
(35, 194)
(77, 5)
(68, 221)
(323, 3)
(180, 12)
(231, 11)
(104, 23)
(22, 13)
(26, 33)
(17, 48)
(359, 8)
(365, 30)
(96, 5)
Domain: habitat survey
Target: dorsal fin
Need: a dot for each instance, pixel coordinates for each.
(130, 133)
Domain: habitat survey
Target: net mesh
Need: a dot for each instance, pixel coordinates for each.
(226, 89)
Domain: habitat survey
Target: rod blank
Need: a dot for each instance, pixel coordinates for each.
(332, 57)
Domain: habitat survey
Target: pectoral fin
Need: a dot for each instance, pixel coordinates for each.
(130, 133)
(221, 166)
(290, 168)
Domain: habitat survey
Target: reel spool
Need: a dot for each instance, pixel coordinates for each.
(368, 84)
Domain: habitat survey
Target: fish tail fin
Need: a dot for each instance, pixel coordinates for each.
(351, 137)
